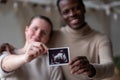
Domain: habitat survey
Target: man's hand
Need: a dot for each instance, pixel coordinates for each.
(81, 65)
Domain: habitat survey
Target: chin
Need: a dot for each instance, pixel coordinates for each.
(76, 27)
(79, 26)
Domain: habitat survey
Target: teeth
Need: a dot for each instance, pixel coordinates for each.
(74, 21)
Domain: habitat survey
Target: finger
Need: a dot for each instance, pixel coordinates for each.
(86, 70)
(37, 54)
(77, 68)
(76, 63)
(81, 71)
(33, 53)
(73, 60)
(45, 48)
(81, 60)
(41, 47)
(77, 58)
(73, 70)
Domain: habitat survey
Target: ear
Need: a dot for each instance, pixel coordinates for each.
(26, 29)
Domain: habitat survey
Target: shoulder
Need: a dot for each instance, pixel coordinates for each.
(57, 34)
(101, 37)
(97, 36)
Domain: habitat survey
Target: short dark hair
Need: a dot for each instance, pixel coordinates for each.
(58, 2)
(41, 17)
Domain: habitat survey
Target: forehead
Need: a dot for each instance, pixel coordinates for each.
(39, 22)
(73, 1)
(68, 3)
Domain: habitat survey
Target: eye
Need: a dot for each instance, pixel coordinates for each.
(65, 12)
(44, 33)
(35, 28)
(76, 8)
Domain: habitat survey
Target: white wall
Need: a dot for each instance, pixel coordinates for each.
(10, 28)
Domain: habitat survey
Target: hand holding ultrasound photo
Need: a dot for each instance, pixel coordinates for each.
(58, 56)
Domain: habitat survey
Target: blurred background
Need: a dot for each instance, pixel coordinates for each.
(102, 15)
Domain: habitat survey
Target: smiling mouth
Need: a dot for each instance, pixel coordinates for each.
(36, 40)
(75, 21)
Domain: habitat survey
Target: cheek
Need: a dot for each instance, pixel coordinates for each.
(45, 40)
(29, 34)
(65, 18)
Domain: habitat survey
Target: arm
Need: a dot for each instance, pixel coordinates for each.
(103, 69)
(5, 50)
(14, 61)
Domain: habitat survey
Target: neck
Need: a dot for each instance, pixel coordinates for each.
(80, 27)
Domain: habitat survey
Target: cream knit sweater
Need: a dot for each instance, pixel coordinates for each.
(85, 42)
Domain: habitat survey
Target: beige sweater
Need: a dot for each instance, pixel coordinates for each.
(85, 42)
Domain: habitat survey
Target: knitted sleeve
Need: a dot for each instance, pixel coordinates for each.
(105, 68)
(2, 72)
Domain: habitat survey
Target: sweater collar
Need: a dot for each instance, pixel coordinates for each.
(85, 31)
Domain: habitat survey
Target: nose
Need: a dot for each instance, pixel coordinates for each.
(38, 35)
(72, 13)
